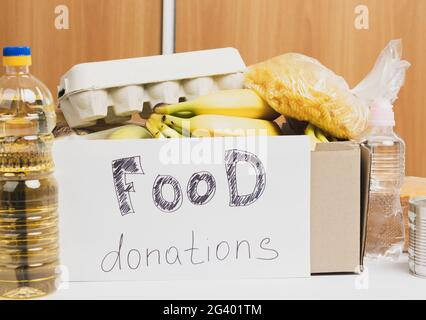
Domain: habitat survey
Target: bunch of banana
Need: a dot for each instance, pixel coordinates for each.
(239, 112)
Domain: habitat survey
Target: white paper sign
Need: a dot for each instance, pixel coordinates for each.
(184, 208)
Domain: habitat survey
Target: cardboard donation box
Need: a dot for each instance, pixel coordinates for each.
(254, 207)
(205, 208)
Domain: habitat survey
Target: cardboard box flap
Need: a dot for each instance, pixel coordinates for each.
(339, 206)
(336, 208)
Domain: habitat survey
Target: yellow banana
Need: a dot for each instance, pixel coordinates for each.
(222, 126)
(320, 135)
(182, 128)
(164, 128)
(169, 132)
(155, 131)
(236, 103)
(130, 132)
(310, 131)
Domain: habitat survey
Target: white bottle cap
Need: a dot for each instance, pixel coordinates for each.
(381, 113)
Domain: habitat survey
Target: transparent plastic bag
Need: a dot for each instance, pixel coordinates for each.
(302, 88)
(386, 78)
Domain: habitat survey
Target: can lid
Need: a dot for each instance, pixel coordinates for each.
(17, 56)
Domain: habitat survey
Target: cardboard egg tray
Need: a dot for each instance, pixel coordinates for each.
(112, 91)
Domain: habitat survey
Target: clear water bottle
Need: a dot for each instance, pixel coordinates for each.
(28, 192)
(385, 229)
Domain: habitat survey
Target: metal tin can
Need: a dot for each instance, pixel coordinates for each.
(417, 243)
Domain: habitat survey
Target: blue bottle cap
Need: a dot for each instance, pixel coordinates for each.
(16, 51)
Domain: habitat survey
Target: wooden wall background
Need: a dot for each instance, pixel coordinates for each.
(99, 30)
(324, 29)
(260, 29)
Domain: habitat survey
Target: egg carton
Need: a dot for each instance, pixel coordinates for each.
(112, 91)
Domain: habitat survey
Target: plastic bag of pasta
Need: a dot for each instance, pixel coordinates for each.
(300, 87)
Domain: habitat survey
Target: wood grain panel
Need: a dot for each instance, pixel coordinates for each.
(324, 29)
(99, 30)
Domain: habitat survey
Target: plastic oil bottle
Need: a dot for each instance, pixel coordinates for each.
(28, 190)
(385, 230)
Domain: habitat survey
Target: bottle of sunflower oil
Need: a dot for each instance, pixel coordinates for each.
(29, 248)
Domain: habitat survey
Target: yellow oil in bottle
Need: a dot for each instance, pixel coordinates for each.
(29, 248)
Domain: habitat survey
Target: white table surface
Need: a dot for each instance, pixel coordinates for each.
(379, 281)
